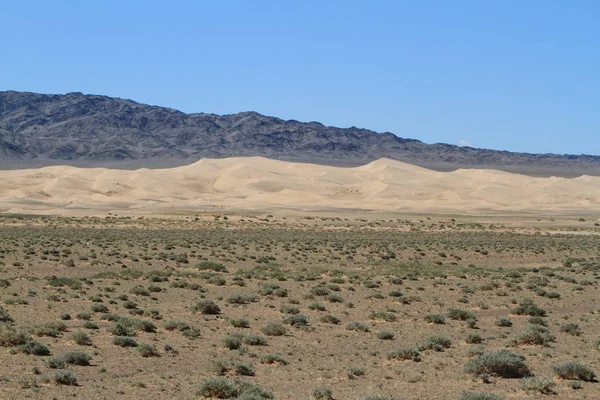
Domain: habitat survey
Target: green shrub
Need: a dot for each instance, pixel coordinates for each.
(461, 315)
(528, 307)
(81, 338)
(233, 341)
(405, 354)
(435, 342)
(240, 322)
(574, 371)
(243, 299)
(10, 336)
(474, 338)
(274, 329)
(77, 358)
(503, 321)
(35, 349)
(536, 335)
(99, 308)
(5, 316)
(211, 266)
(147, 350)
(273, 359)
(502, 363)
(317, 307)
(480, 396)
(384, 316)
(296, 321)
(223, 388)
(540, 385)
(65, 377)
(330, 319)
(571, 329)
(206, 307)
(357, 326)
(124, 341)
(435, 319)
(322, 393)
(56, 363)
(385, 335)
(255, 340)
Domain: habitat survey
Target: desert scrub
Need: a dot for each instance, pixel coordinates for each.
(224, 367)
(65, 377)
(124, 341)
(574, 371)
(223, 388)
(298, 320)
(77, 358)
(536, 335)
(357, 326)
(81, 338)
(243, 299)
(56, 363)
(207, 307)
(435, 342)
(383, 316)
(317, 307)
(273, 359)
(385, 335)
(322, 393)
(240, 323)
(435, 319)
(147, 350)
(540, 385)
(528, 307)
(501, 363)
(461, 315)
(291, 310)
(35, 349)
(503, 321)
(405, 354)
(211, 266)
(480, 396)
(10, 336)
(233, 341)
(330, 319)
(571, 329)
(254, 340)
(274, 329)
(474, 338)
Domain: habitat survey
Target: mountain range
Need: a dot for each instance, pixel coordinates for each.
(94, 130)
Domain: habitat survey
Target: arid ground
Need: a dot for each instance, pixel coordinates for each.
(353, 305)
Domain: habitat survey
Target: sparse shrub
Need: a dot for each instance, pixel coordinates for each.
(90, 325)
(206, 307)
(461, 315)
(480, 396)
(296, 321)
(223, 388)
(273, 359)
(255, 340)
(243, 299)
(147, 350)
(474, 338)
(435, 342)
(274, 329)
(233, 341)
(35, 349)
(99, 308)
(5, 316)
(571, 329)
(77, 358)
(10, 336)
(384, 316)
(536, 335)
(120, 329)
(56, 363)
(317, 307)
(357, 326)
(540, 385)
(528, 307)
(537, 321)
(211, 266)
(124, 341)
(574, 371)
(65, 377)
(81, 338)
(503, 321)
(240, 322)
(385, 335)
(330, 319)
(323, 393)
(435, 319)
(502, 363)
(405, 354)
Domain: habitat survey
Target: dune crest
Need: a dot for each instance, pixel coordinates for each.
(259, 183)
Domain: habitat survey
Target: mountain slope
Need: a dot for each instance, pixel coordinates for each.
(95, 130)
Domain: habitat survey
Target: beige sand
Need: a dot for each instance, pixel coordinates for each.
(255, 183)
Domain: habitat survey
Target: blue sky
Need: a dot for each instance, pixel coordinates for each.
(512, 75)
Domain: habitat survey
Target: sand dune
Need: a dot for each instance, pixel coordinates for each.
(256, 183)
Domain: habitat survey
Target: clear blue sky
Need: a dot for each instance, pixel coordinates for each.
(517, 75)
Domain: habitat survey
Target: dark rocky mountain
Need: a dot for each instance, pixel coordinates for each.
(90, 130)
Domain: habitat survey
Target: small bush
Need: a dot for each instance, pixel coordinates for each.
(502, 363)
(240, 322)
(10, 336)
(81, 338)
(474, 338)
(405, 354)
(503, 321)
(35, 349)
(124, 341)
(147, 350)
(56, 363)
(385, 335)
(223, 388)
(77, 358)
(5, 316)
(540, 385)
(536, 335)
(273, 359)
(435, 342)
(211, 266)
(574, 371)
(461, 315)
(207, 307)
(435, 319)
(480, 396)
(296, 321)
(571, 329)
(330, 319)
(255, 340)
(233, 341)
(357, 326)
(274, 329)
(528, 307)
(322, 393)
(65, 378)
